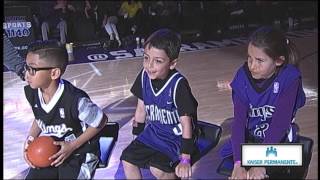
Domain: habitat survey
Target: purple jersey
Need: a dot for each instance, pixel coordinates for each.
(163, 130)
(262, 102)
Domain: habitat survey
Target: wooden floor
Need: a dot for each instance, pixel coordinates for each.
(108, 83)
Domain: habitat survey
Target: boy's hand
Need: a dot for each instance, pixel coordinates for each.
(257, 173)
(183, 169)
(26, 145)
(65, 151)
(238, 172)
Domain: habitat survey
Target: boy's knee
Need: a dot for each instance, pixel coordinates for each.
(127, 164)
(156, 172)
(159, 174)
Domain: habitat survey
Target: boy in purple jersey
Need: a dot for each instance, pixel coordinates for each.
(266, 92)
(166, 114)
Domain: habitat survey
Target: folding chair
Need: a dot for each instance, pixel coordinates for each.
(108, 138)
(209, 136)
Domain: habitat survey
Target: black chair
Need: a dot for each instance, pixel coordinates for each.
(226, 166)
(108, 138)
(301, 172)
(208, 137)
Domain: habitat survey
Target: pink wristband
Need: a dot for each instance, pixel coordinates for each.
(185, 160)
(238, 162)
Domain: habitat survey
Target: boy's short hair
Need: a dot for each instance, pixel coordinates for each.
(167, 40)
(52, 52)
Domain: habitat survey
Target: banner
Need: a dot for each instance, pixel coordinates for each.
(18, 27)
(271, 154)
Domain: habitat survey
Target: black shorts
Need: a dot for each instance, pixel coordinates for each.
(69, 169)
(143, 156)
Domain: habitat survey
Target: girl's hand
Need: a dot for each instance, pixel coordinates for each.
(257, 173)
(238, 172)
(65, 151)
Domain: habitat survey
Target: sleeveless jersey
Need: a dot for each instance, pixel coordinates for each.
(262, 105)
(163, 131)
(62, 122)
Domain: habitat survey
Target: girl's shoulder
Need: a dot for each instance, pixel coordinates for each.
(291, 71)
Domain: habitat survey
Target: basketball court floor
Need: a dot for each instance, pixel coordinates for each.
(208, 66)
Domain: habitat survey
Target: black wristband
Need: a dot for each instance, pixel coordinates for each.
(137, 130)
(187, 146)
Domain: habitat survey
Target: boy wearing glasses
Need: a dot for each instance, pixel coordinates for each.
(63, 112)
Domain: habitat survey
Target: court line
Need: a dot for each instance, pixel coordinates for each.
(119, 102)
(88, 72)
(95, 69)
(90, 78)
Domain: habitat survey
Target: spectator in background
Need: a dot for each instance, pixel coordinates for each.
(59, 17)
(215, 16)
(84, 21)
(162, 14)
(110, 20)
(93, 13)
(12, 59)
(132, 12)
(191, 17)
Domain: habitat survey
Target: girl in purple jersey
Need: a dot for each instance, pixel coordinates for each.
(266, 92)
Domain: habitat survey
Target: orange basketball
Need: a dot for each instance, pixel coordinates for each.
(40, 150)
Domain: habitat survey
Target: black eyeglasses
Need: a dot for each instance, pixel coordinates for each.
(32, 71)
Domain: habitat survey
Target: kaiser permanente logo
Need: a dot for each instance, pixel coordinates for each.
(271, 154)
(271, 151)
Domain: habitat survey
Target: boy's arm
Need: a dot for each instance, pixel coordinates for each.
(68, 147)
(140, 114)
(138, 121)
(183, 169)
(34, 130)
(96, 120)
(186, 131)
(90, 114)
(89, 133)
(187, 110)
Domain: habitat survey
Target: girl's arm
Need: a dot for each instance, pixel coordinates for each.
(282, 116)
(238, 136)
(238, 126)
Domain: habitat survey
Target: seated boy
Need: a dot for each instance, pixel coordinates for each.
(169, 110)
(63, 112)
